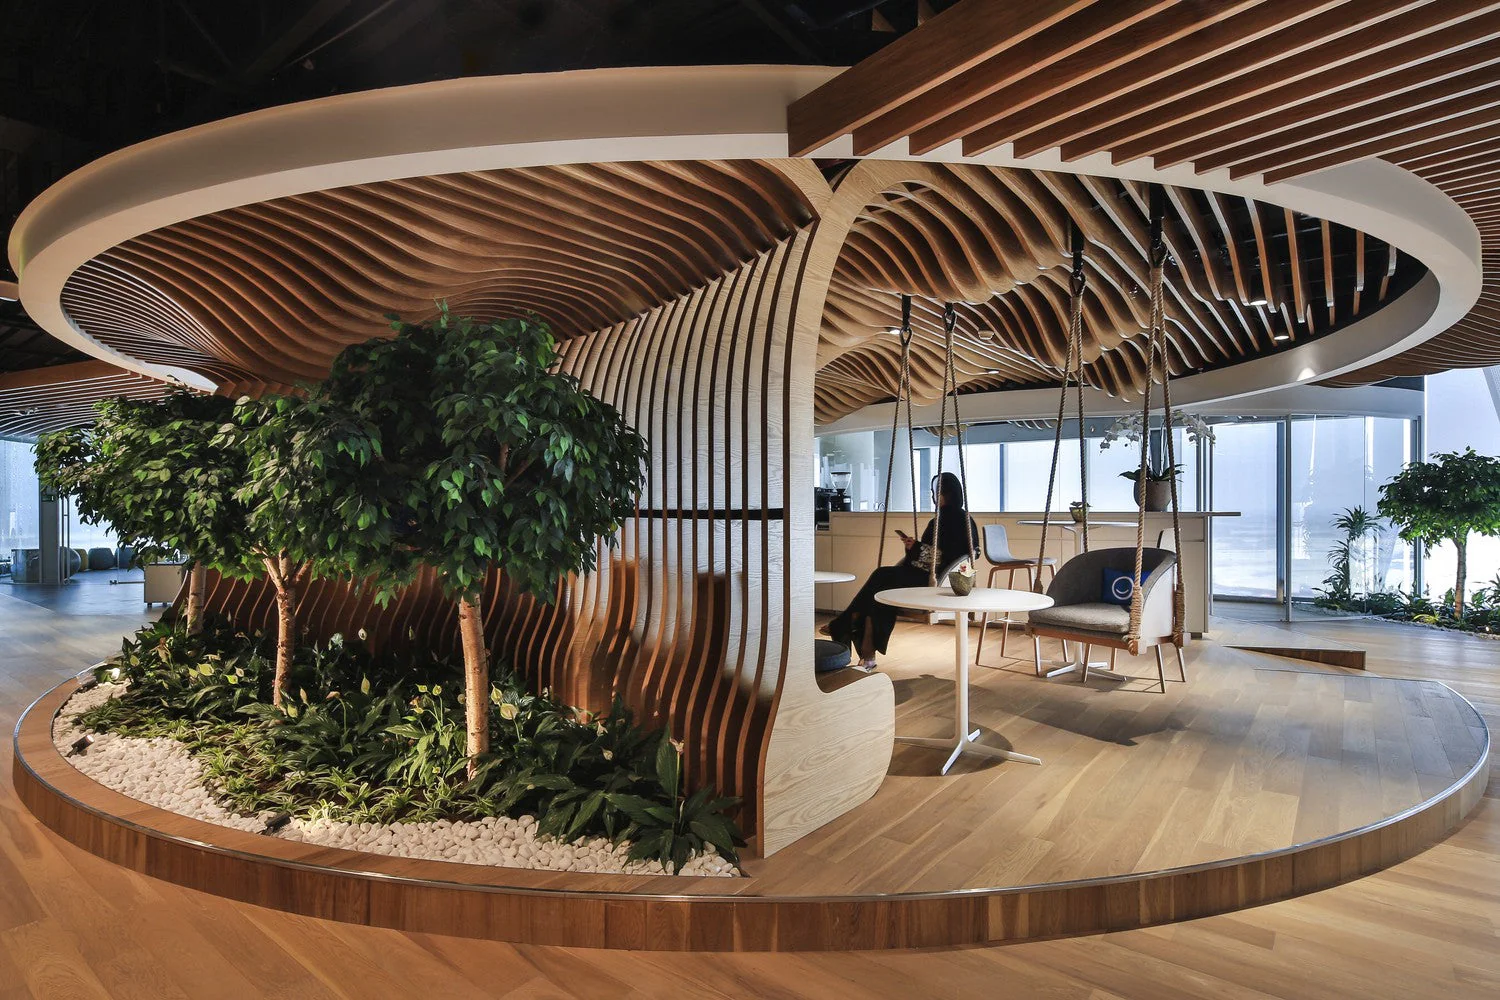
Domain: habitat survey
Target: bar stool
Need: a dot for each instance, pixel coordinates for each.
(997, 552)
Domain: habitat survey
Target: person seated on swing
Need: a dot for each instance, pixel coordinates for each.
(866, 622)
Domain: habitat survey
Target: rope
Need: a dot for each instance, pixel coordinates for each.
(1075, 345)
(1158, 252)
(903, 391)
(950, 321)
(937, 501)
(1077, 285)
(1179, 602)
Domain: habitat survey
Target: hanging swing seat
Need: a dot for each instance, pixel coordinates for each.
(1079, 614)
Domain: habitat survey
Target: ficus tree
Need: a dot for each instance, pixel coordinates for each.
(154, 471)
(458, 445)
(1454, 495)
(281, 533)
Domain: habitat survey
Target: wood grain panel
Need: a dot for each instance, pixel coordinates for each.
(46, 399)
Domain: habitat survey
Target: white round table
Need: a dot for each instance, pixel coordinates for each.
(977, 601)
(832, 576)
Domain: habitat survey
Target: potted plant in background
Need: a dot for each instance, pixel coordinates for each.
(1155, 492)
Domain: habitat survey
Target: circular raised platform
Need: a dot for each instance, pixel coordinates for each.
(1245, 786)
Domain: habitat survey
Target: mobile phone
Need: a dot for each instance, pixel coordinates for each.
(902, 533)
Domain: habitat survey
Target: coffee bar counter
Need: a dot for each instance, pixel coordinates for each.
(851, 544)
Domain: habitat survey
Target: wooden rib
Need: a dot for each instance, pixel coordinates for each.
(38, 400)
(961, 37)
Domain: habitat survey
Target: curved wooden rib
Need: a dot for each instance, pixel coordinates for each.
(1246, 277)
(1276, 90)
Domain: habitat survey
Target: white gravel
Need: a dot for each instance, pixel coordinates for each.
(160, 772)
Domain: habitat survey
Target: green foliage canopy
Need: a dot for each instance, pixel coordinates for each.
(1445, 499)
(457, 445)
(155, 471)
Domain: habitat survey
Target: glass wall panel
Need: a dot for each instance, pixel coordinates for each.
(1462, 413)
(1337, 467)
(18, 497)
(1245, 478)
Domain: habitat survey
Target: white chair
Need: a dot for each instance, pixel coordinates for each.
(997, 552)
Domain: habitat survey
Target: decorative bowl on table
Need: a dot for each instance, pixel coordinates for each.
(961, 578)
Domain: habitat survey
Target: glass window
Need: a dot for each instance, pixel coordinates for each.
(1246, 549)
(18, 497)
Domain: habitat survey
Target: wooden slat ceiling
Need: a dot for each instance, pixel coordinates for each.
(270, 292)
(1274, 89)
(263, 296)
(1245, 279)
(46, 399)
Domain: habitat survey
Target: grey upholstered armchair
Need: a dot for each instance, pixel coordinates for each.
(1078, 613)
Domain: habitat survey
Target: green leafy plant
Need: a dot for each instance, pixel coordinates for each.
(456, 445)
(1351, 560)
(152, 469)
(1455, 495)
(367, 739)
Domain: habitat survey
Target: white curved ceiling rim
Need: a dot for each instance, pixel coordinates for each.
(617, 115)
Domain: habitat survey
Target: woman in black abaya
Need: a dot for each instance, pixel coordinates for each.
(866, 622)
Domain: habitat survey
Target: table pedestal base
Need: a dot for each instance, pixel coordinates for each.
(966, 745)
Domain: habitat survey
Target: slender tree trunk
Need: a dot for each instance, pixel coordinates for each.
(285, 582)
(476, 679)
(1462, 544)
(197, 584)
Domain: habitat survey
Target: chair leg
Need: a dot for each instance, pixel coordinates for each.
(1161, 670)
(1036, 652)
(1010, 583)
(1181, 664)
(984, 622)
(1084, 673)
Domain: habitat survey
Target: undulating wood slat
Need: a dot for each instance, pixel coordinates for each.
(46, 399)
(1273, 90)
(684, 617)
(1251, 782)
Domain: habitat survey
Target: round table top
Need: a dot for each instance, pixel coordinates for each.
(978, 599)
(831, 576)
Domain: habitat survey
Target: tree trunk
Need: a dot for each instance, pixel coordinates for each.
(282, 577)
(476, 679)
(286, 638)
(197, 584)
(1462, 544)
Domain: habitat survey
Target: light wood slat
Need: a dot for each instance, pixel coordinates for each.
(1062, 55)
(954, 41)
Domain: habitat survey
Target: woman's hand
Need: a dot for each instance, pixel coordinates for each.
(906, 540)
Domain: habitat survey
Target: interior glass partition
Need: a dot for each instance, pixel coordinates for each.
(1247, 477)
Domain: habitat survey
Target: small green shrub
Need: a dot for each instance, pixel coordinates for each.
(369, 739)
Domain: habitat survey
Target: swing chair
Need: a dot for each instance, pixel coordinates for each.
(1117, 598)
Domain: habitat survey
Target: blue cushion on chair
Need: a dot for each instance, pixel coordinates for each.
(1118, 588)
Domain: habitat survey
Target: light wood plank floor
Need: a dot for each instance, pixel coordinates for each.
(74, 926)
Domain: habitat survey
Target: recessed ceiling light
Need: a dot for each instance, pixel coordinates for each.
(1258, 302)
(992, 371)
(1279, 337)
(894, 331)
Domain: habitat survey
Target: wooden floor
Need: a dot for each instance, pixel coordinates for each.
(71, 925)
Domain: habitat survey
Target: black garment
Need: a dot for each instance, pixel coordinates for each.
(849, 627)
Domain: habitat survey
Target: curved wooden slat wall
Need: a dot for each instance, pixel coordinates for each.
(687, 620)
